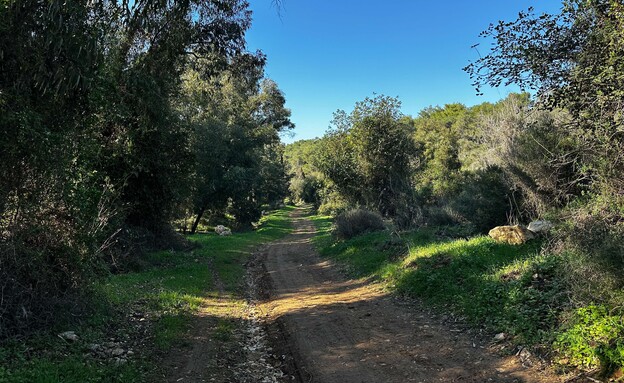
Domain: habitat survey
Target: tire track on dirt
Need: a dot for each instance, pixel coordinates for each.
(339, 330)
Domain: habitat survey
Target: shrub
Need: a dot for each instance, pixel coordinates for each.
(408, 210)
(483, 200)
(306, 189)
(441, 216)
(357, 221)
(333, 204)
(593, 337)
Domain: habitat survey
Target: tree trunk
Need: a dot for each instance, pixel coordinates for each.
(196, 222)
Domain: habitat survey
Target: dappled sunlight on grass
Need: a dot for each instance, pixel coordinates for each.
(170, 289)
(188, 275)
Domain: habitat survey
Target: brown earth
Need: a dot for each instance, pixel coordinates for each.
(304, 321)
(339, 330)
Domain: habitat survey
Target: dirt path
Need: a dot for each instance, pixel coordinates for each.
(227, 341)
(341, 331)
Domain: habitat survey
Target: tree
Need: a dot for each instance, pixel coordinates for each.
(368, 155)
(94, 148)
(573, 60)
(235, 141)
(437, 134)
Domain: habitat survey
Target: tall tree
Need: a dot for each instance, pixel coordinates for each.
(368, 155)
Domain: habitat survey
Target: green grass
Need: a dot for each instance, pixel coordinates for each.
(519, 290)
(170, 289)
(485, 282)
(68, 369)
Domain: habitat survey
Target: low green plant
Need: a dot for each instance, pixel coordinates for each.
(593, 336)
(357, 221)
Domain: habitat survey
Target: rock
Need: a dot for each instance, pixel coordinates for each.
(68, 335)
(118, 352)
(222, 230)
(513, 235)
(524, 354)
(540, 226)
(94, 347)
(500, 337)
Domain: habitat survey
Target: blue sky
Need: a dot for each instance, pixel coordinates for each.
(326, 55)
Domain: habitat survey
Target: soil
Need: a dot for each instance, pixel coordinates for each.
(305, 321)
(343, 330)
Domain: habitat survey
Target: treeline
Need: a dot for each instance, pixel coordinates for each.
(557, 155)
(118, 118)
(474, 167)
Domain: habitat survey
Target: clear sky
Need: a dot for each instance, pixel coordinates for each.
(327, 54)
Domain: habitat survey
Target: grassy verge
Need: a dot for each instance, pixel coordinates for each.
(519, 290)
(145, 312)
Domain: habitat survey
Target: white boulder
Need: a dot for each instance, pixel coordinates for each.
(222, 230)
(540, 226)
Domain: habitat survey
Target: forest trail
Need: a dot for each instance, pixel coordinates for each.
(341, 330)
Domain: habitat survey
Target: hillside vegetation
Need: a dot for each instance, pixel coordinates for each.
(447, 176)
(145, 313)
(127, 128)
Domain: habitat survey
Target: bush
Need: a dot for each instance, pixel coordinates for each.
(306, 189)
(357, 221)
(441, 216)
(483, 200)
(408, 210)
(333, 204)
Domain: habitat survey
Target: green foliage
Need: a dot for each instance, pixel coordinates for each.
(239, 159)
(574, 61)
(307, 184)
(437, 133)
(306, 189)
(71, 370)
(170, 288)
(593, 337)
(590, 239)
(366, 158)
(483, 200)
(355, 222)
(333, 203)
(116, 119)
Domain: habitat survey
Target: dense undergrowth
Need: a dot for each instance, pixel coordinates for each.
(147, 311)
(522, 291)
